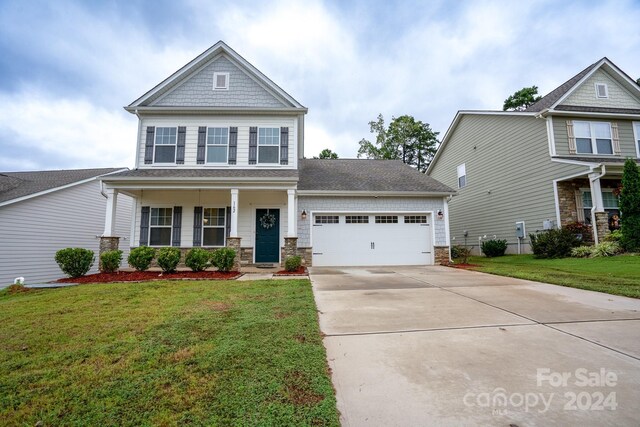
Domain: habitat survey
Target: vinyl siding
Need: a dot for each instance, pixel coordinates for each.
(585, 94)
(509, 177)
(625, 132)
(31, 231)
(192, 122)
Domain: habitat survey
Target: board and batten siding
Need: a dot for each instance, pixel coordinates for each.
(248, 202)
(192, 122)
(625, 132)
(509, 177)
(31, 231)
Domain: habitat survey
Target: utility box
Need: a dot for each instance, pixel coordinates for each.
(547, 224)
(520, 232)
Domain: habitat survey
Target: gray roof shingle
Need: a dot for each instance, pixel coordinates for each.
(207, 173)
(20, 184)
(365, 175)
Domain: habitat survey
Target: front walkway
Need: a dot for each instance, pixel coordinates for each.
(417, 346)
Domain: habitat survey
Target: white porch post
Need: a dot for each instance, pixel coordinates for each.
(110, 217)
(596, 192)
(291, 213)
(234, 213)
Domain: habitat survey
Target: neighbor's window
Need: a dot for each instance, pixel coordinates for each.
(386, 219)
(415, 219)
(593, 137)
(213, 226)
(217, 145)
(636, 135)
(462, 176)
(327, 219)
(165, 147)
(609, 201)
(220, 81)
(160, 226)
(357, 219)
(268, 145)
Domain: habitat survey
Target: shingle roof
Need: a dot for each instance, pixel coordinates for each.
(19, 184)
(208, 173)
(365, 175)
(553, 96)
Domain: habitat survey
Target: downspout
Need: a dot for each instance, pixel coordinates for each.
(446, 224)
(137, 139)
(593, 208)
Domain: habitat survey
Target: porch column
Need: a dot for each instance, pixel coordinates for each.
(291, 214)
(234, 213)
(110, 217)
(600, 219)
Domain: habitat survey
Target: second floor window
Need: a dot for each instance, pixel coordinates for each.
(593, 137)
(165, 145)
(217, 145)
(268, 145)
(462, 175)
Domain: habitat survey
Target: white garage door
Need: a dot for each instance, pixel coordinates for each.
(361, 239)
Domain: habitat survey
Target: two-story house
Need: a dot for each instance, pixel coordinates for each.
(219, 162)
(556, 163)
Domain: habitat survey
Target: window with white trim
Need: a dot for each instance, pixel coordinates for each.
(220, 81)
(636, 137)
(356, 219)
(213, 226)
(462, 175)
(327, 219)
(269, 145)
(415, 219)
(386, 219)
(161, 220)
(593, 137)
(165, 145)
(609, 202)
(217, 145)
(601, 90)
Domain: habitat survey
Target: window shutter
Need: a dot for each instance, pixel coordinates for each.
(253, 145)
(227, 220)
(202, 142)
(571, 137)
(579, 206)
(177, 226)
(197, 226)
(144, 226)
(284, 146)
(233, 145)
(615, 136)
(182, 134)
(148, 145)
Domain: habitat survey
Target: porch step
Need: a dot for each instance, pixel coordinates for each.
(264, 265)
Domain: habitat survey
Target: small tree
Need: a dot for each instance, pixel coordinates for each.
(521, 99)
(327, 154)
(630, 207)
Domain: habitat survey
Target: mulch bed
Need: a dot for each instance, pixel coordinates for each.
(301, 271)
(141, 276)
(464, 266)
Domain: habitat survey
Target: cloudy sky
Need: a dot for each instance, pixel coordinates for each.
(67, 68)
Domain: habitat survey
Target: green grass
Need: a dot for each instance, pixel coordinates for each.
(619, 275)
(164, 353)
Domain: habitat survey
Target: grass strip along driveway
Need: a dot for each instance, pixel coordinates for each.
(618, 275)
(164, 353)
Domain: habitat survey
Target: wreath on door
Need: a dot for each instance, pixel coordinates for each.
(267, 221)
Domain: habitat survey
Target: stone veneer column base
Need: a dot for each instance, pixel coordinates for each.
(107, 244)
(602, 225)
(441, 254)
(290, 248)
(234, 243)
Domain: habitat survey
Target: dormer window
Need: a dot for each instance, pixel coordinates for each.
(602, 90)
(220, 81)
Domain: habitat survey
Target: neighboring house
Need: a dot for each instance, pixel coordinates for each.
(558, 162)
(220, 163)
(44, 211)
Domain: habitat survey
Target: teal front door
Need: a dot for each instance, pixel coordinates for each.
(267, 235)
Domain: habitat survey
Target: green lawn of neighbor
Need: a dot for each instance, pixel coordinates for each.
(619, 275)
(164, 353)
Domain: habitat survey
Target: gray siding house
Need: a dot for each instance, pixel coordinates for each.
(43, 211)
(220, 163)
(557, 163)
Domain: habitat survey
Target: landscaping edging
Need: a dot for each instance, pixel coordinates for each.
(148, 276)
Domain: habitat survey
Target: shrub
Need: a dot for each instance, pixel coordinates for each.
(462, 252)
(606, 249)
(292, 263)
(197, 259)
(582, 252)
(140, 258)
(556, 243)
(581, 230)
(614, 236)
(110, 261)
(168, 259)
(223, 258)
(630, 206)
(493, 248)
(75, 262)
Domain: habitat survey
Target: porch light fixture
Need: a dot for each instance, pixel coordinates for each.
(440, 214)
(304, 214)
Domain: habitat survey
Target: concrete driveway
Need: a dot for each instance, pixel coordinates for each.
(423, 346)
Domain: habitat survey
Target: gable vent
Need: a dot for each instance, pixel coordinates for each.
(601, 90)
(220, 81)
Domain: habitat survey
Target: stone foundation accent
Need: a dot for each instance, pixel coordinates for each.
(246, 256)
(289, 249)
(107, 244)
(602, 225)
(234, 243)
(567, 200)
(441, 255)
(306, 254)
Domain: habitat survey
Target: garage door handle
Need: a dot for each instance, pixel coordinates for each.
(317, 253)
(373, 245)
(426, 252)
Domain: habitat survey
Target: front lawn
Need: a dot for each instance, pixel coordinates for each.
(619, 275)
(164, 353)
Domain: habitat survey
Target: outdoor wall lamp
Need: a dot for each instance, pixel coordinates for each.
(440, 214)
(304, 214)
